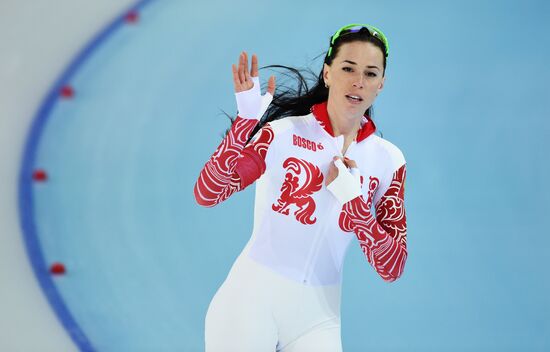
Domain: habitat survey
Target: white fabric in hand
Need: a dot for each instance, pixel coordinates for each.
(347, 185)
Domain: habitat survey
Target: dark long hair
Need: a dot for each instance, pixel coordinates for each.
(297, 99)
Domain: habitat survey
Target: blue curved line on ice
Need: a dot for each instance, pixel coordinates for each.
(26, 204)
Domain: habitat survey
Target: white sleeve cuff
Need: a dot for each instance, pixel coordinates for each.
(250, 103)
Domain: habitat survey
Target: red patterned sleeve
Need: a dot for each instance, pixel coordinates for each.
(233, 166)
(383, 239)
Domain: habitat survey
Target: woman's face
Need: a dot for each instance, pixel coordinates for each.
(354, 78)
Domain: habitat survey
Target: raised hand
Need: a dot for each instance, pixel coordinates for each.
(250, 102)
(242, 78)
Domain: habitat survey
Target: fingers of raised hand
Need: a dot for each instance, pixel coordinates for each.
(242, 68)
(254, 70)
(236, 79)
(241, 77)
(246, 72)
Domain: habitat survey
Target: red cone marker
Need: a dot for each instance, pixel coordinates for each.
(132, 16)
(67, 92)
(40, 175)
(57, 268)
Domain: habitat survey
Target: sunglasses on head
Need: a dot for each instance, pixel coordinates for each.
(355, 28)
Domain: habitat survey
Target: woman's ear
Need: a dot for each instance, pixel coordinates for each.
(381, 86)
(326, 70)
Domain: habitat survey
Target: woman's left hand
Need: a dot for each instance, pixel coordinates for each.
(342, 182)
(333, 170)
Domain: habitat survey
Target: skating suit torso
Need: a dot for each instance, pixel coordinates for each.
(300, 229)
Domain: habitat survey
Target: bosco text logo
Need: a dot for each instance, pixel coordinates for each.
(306, 143)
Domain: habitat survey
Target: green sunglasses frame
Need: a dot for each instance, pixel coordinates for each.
(375, 32)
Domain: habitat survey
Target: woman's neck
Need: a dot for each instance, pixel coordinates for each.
(343, 125)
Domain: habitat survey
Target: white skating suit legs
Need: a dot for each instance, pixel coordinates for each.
(259, 310)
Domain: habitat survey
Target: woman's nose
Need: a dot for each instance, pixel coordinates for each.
(358, 82)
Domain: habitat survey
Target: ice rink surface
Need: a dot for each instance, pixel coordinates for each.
(465, 100)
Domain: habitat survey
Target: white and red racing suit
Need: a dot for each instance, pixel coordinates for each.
(301, 232)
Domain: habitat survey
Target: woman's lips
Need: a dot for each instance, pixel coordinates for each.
(354, 99)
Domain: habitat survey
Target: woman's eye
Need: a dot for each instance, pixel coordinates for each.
(347, 69)
(371, 74)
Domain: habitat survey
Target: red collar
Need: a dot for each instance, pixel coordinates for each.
(321, 114)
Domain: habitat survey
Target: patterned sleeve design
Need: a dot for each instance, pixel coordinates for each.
(383, 239)
(233, 166)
